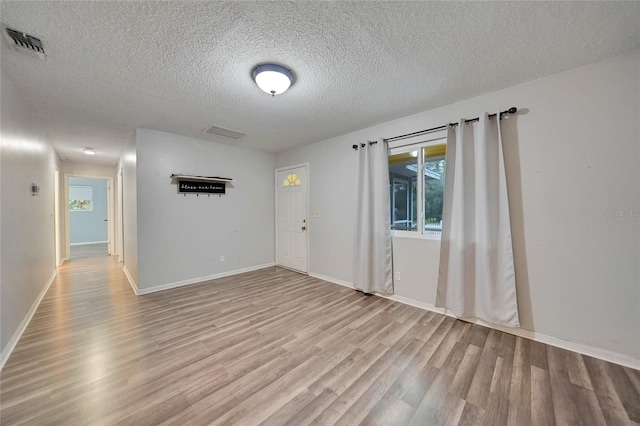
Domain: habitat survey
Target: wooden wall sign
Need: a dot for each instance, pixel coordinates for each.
(201, 187)
(194, 184)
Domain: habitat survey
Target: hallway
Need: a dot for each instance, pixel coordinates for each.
(59, 371)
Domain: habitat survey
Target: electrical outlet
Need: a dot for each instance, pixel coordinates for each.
(222, 258)
(398, 276)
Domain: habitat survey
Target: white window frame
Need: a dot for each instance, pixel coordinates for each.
(393, 192)
(417, 146)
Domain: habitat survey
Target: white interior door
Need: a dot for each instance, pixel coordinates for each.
(291, 218)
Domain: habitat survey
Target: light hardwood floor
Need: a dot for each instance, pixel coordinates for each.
(275, 347)
(89, 250)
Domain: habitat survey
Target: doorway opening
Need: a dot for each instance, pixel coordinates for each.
(88, 216)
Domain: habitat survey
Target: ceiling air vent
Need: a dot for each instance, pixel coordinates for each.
(24, 43)
(227, 133)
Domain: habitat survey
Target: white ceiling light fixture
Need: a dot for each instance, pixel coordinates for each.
(89, 151)
(273, 79)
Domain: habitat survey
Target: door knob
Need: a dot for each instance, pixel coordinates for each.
(303, 228)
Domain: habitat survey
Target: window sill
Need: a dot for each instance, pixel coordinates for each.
(414, 235)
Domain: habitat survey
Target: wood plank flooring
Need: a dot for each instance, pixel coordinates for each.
(274, 347)
(89, 250)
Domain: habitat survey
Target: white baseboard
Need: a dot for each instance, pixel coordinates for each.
(89, 243)
(202, 279)
(331, 280)
(592, 351)
(6, 352)
(132, 282)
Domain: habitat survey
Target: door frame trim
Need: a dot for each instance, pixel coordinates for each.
(276, 186)
(59, 251)
(111, 226)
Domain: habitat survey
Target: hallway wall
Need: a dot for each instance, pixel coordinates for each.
(26, 220)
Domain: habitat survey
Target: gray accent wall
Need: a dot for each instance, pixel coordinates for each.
(181, 238)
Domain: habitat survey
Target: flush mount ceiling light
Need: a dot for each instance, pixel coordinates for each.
(89, 151)
(273, 79)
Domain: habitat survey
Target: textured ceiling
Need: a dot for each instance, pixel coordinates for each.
(182, 66)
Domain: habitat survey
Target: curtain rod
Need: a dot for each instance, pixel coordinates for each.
(511, 110)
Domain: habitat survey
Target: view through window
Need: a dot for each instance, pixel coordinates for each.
(416, 177)
(80, 197)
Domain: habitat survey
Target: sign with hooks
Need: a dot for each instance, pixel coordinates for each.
(192, 184)
(201, 187)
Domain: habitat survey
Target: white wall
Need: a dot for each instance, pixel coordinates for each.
(181, 238)
(128, 163)
(76, 168)
(572, 157)
(26, 221)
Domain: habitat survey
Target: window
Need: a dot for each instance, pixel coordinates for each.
(80, 197)
(416, 176)
(291, 180)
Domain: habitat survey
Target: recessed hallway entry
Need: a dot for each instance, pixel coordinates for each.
(88, 214)
(276, 347)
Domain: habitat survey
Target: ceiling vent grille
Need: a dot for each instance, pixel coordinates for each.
(227, 133)
(24, 43)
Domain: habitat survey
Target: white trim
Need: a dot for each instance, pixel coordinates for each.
(89, 243)
(198, 280)
(119, 236)
(295, 166)
(111, 225)
(408, 147)
(593, 351)
(6, 352)
(420, 139)
(418, 147)
(332, 280)
(291, 269)
(132, 282)
(59, 258)
(397, 233)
